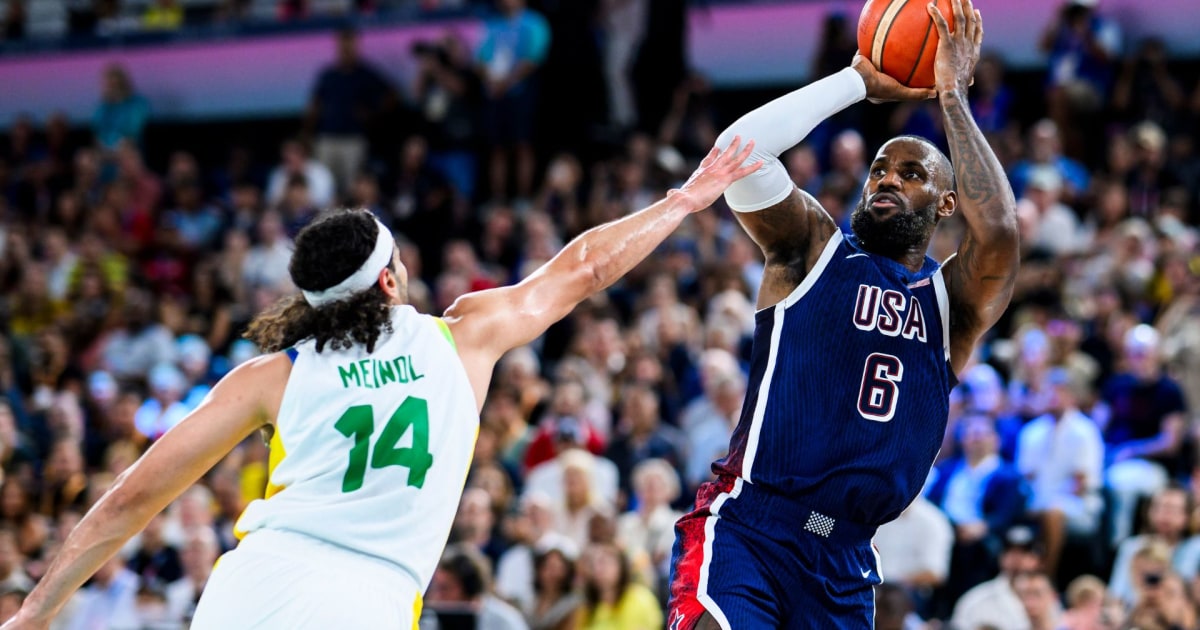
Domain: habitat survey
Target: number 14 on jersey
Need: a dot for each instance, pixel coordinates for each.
(358, 422)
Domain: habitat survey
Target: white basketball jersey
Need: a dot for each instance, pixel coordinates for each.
(371, 451)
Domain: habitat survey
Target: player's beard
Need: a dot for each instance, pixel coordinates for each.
(896, 235)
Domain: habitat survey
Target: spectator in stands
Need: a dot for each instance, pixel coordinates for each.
(347, 100)
(474, 524)
(1163, 603)
(12, 27)
(916, 549)
(463, 583)
(140, 342)
(1085, 597)
(530, 530)
(1145, 89)
(564, 425)
(163, 15)
(1038, 599)
(108, 601)
(193, 225)
(1061, 454)
(266, 264)
(1166, 528)
(1056, 226)
(991, 99)
(894, 608)
(1152, 177)
(641, 437)
(578, 502)
(647, 531)
(1082, 46)
(448, 94)
(1145, 428)
(994, 603)
(12, 574)
(156, 561)
(983, 496)
(558, 606)
(122, 113)
(296, 162)
(514, 46)
(1045, 150)
(614, 600)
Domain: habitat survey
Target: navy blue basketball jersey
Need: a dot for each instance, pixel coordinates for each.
(849, 387)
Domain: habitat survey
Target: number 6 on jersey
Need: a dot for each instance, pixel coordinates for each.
(878, 395)
(359, 422)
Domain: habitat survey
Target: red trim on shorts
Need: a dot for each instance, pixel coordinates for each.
(684, 608)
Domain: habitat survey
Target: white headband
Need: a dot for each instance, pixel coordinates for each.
(362, 279)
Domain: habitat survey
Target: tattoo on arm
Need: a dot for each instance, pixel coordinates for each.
(984, 273)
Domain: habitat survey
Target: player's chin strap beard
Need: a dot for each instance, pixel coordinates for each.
(363, 278)
(895, 236)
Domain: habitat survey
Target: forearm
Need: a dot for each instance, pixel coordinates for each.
(99, 536)
(782, 123)
(611, 250)
(985, 197)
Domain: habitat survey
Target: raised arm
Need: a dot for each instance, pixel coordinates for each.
(789, 225)
(242, 402)
(489, 323)
(980, 278)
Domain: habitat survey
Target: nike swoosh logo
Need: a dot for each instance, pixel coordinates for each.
(866, 574)
(855, 255)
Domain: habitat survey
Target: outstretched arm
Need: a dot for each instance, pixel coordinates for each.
(789, 225)
(980, 278)
(242, 402)
(489, 323)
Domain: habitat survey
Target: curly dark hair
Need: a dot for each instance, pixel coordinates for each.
(328, 251)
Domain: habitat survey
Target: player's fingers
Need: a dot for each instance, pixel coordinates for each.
(978, 27)
(746, 170)
(939, 20)
(710, 158)
(960, 17)
(746, 152)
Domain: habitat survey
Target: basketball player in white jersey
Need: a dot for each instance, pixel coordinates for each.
(373, 410)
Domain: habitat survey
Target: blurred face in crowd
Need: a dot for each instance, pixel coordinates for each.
(474, 516)
(568, 399)
(577, 487)
(347, 49)
(979, 437)
(652, 489)
(641, 409)
(554, 570)
(1168, 513)
(905, 196)
(199, 554)
(445, 587)
(295, 157)
(10, 558)
(1016, 560)
(1037, 596)
(604, 566)
(1044, 145)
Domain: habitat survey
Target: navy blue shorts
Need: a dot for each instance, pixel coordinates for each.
(753, 560)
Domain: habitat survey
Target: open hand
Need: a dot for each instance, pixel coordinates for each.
(882, 88)
(718, 170)
(958, 50)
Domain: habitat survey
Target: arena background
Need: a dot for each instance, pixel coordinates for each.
(134, 252)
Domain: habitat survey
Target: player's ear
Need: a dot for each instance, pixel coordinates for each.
(389, 282)
(947, 204)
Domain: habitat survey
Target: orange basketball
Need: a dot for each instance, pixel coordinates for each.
(900, 38)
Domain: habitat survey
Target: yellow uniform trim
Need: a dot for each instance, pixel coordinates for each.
(276, 455)
(445, 331)
(418, 604)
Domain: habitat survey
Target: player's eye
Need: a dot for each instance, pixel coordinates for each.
(912, 175)
(879, 172)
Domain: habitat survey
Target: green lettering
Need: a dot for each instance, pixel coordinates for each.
(412, 370)
(400, 369)
(366, 372)
(346, 375)
(386, 373)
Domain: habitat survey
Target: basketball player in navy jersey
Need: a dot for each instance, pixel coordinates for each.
(857, 345)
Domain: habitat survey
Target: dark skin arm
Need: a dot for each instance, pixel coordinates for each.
(793, 232)
(980, 278)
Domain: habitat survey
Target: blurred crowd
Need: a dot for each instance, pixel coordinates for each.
(1064, 495)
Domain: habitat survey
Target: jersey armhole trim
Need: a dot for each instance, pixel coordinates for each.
(815, 274)
(292, 353)
(445, 330)
(943, 302)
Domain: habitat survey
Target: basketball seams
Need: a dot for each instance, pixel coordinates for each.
(883, 29)
(920, 53)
